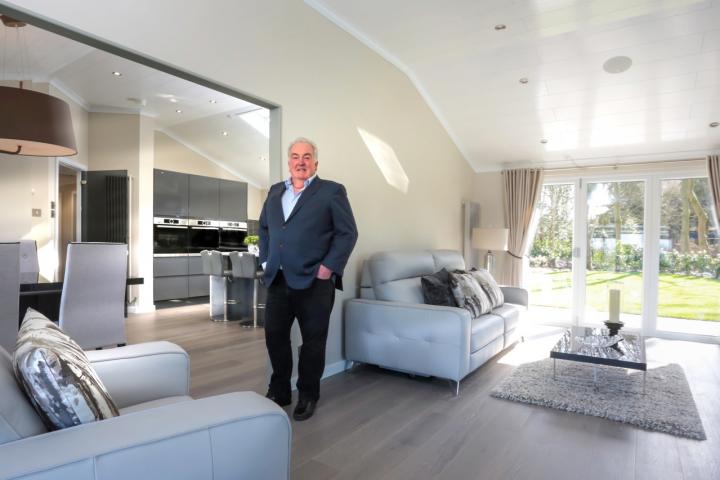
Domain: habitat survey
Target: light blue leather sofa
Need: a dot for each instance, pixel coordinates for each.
(161, 432)
(390, 325)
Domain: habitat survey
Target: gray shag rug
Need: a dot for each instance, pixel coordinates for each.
(667, 406)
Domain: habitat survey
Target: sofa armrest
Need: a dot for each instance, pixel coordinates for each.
(516, 295)
(236, 435)
(143, 372)
(415, 338)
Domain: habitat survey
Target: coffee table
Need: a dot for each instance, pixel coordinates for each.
(596, 346)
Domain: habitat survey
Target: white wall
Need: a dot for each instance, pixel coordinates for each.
(328, 85)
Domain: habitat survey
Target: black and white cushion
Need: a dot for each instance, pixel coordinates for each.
(488, 283)
(468, 294)
(57, 375)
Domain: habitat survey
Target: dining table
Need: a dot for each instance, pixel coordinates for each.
(43, 295)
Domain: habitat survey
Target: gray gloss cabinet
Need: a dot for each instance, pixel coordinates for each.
(170, 194)
(203, 197)
(233, 201)
(171, 278)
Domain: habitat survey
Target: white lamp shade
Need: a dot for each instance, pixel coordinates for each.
(490, 238)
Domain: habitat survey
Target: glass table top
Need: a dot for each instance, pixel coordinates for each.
(595, 345)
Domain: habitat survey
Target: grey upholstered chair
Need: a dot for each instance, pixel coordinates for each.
(161, 431)
(245, 283)
(29, 265)
(93, 297)
(9, 293)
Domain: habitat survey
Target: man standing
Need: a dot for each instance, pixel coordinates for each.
(307, 232)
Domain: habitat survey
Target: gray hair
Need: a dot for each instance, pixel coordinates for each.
(304, 140)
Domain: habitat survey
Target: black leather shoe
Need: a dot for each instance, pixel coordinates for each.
(304, 409)
(282, 401)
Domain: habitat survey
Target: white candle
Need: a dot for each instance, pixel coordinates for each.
(614, 306)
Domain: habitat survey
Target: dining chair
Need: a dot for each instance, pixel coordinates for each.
(93, 294)
(9, 294)
(29, 265)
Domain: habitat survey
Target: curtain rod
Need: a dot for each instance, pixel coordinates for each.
(618, 165)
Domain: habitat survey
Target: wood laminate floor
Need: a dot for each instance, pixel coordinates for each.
(376, 424)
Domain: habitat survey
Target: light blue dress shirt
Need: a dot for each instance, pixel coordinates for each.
(290, 196)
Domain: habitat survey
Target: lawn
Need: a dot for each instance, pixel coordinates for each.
(681, 296)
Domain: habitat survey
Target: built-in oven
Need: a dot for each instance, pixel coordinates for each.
(204, 235)
(232, 236)
(170, 235)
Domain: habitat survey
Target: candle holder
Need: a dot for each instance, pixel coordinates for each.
(613, 327)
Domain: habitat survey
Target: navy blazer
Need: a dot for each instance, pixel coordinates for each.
(320, 230)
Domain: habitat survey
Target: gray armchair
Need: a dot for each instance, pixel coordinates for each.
(9, 293)
(391, 326)
(161, 431)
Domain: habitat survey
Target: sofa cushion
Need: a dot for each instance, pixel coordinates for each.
(484, 330)
(18, 419)
(488, 283)
(436, 289)
(468, 294)
(57, 375)
(396, 275)
(510, 314)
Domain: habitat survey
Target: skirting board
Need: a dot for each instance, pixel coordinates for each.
(330, 370)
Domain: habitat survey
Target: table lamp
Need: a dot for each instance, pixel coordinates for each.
(490, 239)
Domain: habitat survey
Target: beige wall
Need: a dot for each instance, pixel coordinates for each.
(173, 155)
(328, 85)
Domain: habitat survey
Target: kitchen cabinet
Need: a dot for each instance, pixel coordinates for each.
(170, 194)
(169, 288)
(170, 266)
(198, 285)
(233, 201)
(203, 197)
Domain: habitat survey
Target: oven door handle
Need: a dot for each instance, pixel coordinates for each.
(170, 226)
(204, 228)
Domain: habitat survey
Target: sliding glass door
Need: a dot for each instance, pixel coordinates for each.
(688, 288)
(652, 236)
(615, 237)
(551, 268)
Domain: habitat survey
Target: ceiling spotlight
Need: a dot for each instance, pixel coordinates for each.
(117, 74)
(714, 124)
(500, 26)
(617, 64)
(543, 141)
(178, 111)
(225, 134)
(213, 101)
(524, 80)
(173, 100)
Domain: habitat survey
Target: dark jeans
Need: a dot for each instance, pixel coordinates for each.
(312, 307)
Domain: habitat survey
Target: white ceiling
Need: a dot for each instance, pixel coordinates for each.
(469, 74)
(86, 75)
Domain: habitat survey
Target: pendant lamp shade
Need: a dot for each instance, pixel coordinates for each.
(35, 124)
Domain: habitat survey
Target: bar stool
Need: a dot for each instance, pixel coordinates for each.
(213, 265)
(245, 271)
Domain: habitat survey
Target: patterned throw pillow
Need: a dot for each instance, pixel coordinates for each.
(468, 294)
(57, 375)
(436, 289)
(488, 283)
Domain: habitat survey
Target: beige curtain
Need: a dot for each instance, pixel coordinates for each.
(521, 193)
(713, 167)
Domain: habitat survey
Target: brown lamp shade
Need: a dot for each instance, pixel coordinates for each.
(35, 124)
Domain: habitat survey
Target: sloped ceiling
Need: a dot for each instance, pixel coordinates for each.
(470, 74)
